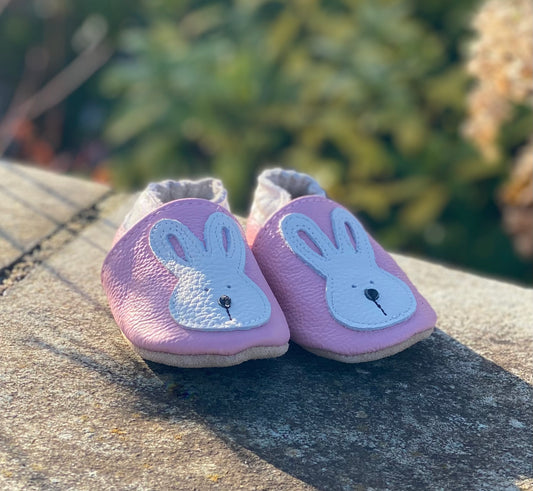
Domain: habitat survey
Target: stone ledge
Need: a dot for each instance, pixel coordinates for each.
(81, 410)
(35, 204)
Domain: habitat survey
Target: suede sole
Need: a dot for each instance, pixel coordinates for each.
(374, 355)
(210, 361)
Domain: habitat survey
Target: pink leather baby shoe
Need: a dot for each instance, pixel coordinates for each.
(344, 297)
(183, 285)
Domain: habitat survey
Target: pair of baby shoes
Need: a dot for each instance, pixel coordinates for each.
(187, 287)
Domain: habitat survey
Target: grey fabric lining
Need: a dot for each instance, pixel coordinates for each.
(157, 194)
(277, 187)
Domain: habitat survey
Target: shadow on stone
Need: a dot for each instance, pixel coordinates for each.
(435, 416)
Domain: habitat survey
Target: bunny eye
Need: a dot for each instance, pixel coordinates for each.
(228, 286)
(354, 286)
(371, 282)
(206, 289)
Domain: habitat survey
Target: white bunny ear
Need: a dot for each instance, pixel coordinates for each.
(162, 247)
(294, 224)
(341, 221)
(224, 239)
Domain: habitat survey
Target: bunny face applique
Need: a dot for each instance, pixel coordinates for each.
(360, 295)
(213, 292)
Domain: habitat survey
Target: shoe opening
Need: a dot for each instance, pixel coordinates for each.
(276, 188)
(157, 194)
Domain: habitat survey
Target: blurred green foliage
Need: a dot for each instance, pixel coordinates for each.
(39, 38)
(366, 95)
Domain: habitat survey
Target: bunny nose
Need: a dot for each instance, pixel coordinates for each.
(371, 294)
(224, 301)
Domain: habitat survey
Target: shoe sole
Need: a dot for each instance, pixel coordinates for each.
(210, 361)
(374, 355)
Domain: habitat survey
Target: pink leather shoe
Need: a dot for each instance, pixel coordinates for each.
(344, 297)
(184, 286)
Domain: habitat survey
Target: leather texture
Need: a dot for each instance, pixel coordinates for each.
(208, 273)
(349, 267)
(302, 291)
(140, 286)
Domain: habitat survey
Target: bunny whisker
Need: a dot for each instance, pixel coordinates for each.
(380, 307)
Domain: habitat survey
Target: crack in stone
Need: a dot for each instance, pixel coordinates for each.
(19, 269)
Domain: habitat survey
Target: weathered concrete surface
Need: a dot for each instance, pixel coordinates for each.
(34, 203)
(492, 318)
(80, 410)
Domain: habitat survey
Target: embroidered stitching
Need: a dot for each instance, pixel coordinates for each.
(293, 223)
(198, 257)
